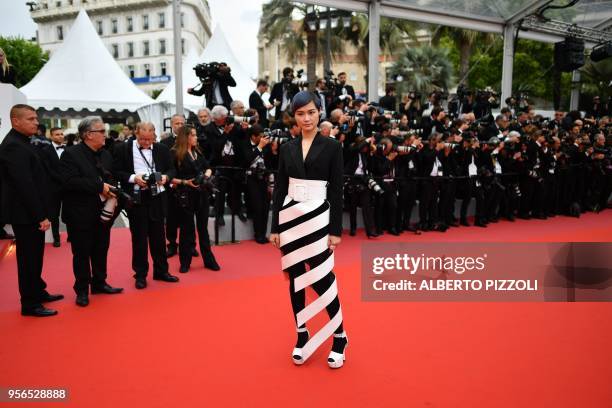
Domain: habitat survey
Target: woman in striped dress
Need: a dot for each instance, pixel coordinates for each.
(306, 226)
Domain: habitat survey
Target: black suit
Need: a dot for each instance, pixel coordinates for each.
(172, 221)
(147, 217)
(223, 80)
(25, 201)
(349, 91)
(255, 102)
(258, 200)
(52, 165)
(276, 95)
(84, 172)
(324, 162)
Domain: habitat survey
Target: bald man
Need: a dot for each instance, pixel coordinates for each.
(25, 205)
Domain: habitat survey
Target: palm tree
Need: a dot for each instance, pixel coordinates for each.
(423, 69)
(465, 41)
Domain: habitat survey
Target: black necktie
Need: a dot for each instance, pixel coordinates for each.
(60, 147)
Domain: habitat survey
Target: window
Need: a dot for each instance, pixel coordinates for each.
(58, 4)
(147, 70)
(162, 47)
(130, 24)
(100, 27)
(131, 71)
(115, 48)
(114, 26)
(162, 68)
(130, 52)
(60, 33)
(162, 20)
(145, 48)
(145, 22)
(70, 2)
(182, 20)
(183, 46)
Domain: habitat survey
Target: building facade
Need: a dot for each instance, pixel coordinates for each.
(137, 33)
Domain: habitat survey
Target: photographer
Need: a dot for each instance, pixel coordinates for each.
(283, 92)
(411, 107)
(86, 172)
(430, 165)
(223, 153)
(407, 184)
(532, 186)
(343, 92)
(384, 171)
(252, 156)
(601, 173)
(389, 101)
(486, 100)
(144, 169)
(215, 79)
(256, 102)
(357, 187)
(192, 185)
(470, 187)
(322, 93)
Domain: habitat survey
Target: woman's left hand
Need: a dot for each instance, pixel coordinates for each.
(333, 242)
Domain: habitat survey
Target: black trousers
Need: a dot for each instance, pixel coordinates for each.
(198, 208)
(448, 190)
(89, 255)
(30, 251)
(473, 188)
(298, 299)
(172, 219)
(56, 205)
(259, 205)
(229, 187)
(147, 228)
(406, 200)
(386, 208)
(358, 195)
(428, 203)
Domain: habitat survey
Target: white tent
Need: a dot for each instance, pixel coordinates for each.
(217, 50)
(82, 74)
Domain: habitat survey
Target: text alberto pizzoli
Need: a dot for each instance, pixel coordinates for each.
(458, 265)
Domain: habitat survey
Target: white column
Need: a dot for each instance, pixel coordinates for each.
(575, 95)
(508, 61)
(374, 49)
(178, 55)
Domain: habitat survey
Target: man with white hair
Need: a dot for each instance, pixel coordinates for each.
(86, 171)
(222, 151)
(144, 169)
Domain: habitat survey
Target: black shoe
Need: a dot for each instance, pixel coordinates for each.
(82, 299)
(39, 311)
(5, 235)
(210, 262)
(106, 288)
(57, 244)
(393, 231)
(511, 218)
(166, 277)
(242, 217)
(184, 269)
(141, 283)
(263, 240)
(220, 221)
(464, 222)
(194, 253)
(372, 234)
(480, 224)
(352, 233)
(50, 298)
(441, 227)
(171, 251)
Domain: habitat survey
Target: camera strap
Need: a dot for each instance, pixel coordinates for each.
(151, 165)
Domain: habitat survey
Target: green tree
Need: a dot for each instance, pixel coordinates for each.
(26, 57)
(423, 69)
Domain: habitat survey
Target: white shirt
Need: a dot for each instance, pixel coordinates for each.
(217, 98)
(359, 170)
(58, 151)
(437, 168)
(140, 166)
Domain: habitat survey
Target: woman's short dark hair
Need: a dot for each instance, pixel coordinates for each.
(302, 99)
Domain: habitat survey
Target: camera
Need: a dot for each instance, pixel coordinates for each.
(373, 185)
(277, 135)
(121, 200)
(205, 183)
(240, 119)
(290, 79)
(152, 180)
(206, 70)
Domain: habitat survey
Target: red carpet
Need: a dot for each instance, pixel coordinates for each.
(220, 339)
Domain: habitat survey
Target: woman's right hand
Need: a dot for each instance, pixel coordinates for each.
(190, 183)
(275, 240)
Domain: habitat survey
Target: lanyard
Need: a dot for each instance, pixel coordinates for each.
(151, 166)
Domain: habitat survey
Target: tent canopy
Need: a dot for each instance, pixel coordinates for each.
(217, 50)
(82, 75)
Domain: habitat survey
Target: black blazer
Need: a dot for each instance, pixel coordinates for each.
(25, 196)
(276, 94)
(224, 80)
(349, 91)
(123, 164)
(323, 162)
(255, 102)
(83, 182)
(51, 162)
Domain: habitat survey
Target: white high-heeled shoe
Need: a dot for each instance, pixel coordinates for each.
(336, 360)
(296, 355)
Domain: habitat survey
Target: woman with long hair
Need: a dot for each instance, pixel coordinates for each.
(192, 174)
(307, 224)
(7, 74)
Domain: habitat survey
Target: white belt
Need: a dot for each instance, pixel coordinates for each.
(305, 190)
